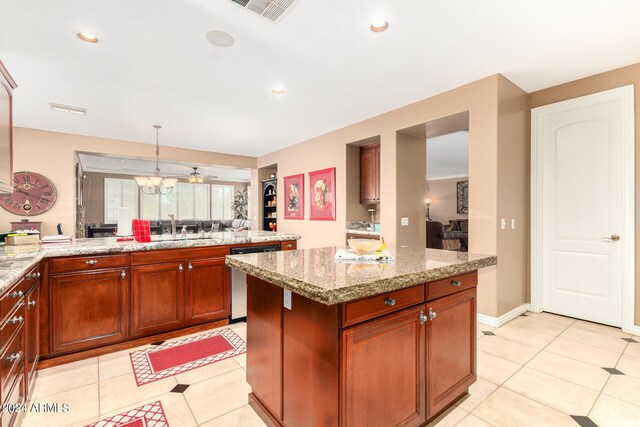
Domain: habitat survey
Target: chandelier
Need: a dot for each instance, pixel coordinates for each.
(156, 184)
(195, 177)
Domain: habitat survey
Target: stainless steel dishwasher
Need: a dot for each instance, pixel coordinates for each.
(239, 282)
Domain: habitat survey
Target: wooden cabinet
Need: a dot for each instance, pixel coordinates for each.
(207, 290)
(370, 174)
(88, 309)
(385, 357)
(7, 85)
(157, 298)
(451, 348)
(289, 245)
(32, 331)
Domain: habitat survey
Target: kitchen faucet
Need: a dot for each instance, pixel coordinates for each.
(174, 232)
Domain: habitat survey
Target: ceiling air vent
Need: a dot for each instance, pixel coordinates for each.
(273, 10)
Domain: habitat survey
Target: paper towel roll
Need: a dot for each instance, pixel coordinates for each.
(125, 217)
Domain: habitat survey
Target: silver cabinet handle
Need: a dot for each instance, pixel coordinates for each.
(31, 303)
(16, 319)
(14, 357)
(423, 318)
(180, 269)
(190, 267)
(432, 314)
(38, 275)
(16, 294)
(91, 262)
(390, 301)
(123, 274)
(32, 276)
(613, 237)
(455, 283)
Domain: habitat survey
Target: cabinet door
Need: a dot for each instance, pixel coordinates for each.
(383, 376)
(368, 183)
(207, 290)
(89, 309)
(451, 348)
(157, 301)
(32, 344)
(376, 173)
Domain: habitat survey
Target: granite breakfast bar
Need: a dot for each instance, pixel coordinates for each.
(339, 343)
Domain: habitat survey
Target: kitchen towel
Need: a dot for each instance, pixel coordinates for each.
(141, 230)
(125, 218)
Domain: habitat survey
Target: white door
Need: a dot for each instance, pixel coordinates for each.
(583, 173)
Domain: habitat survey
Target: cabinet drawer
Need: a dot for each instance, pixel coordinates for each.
(17, 396)
(11, 364)
(368, 308)
(13, 296)
(288, 245)
(12, 324)
(91, 262)
(451, 285)
(173, 255)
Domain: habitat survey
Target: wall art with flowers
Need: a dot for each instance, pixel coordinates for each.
(294, 197)
(322, 193)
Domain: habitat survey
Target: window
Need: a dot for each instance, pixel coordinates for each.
(222, 201)
(119, 193)
(186, 201)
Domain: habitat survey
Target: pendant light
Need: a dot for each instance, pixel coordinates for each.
(196, 177)
(156, 184)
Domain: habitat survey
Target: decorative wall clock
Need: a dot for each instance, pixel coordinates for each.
(33, 194)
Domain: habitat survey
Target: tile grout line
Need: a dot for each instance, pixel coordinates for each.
(608, 379)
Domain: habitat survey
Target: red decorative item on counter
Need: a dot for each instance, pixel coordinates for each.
(141, 230)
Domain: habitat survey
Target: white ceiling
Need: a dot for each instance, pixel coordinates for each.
(448, 156)
(153, 65)
(146, 167)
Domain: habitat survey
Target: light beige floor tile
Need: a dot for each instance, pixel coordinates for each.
(473, 421)
(507, 349)
(83, 405)
(206, 372)
(505, 408)
(524, 336)
(478, 392)
(214, 397)
(484, 327)
(559, 394)
(629, 365)
(583, 352)
(595, 339)
(174, 405)
(115, 364)
(633, 349)
(581, 373)
(241, 417)
(449, 418)
(610, 412)
(241, 359)
(550, 317)
(544, 326)
(601, 329)
(122, 391)
(623, 387)
(495, 369)
(65, 377)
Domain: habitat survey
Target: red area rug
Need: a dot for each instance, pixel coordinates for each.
(149, 415)
(172, 358)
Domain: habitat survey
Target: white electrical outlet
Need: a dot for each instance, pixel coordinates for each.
(513, 223)
(503, 223)
(404, 221)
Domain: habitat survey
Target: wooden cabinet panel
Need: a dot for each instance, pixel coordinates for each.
(288, 245)
(370, 174)
(452, 285)
(451, 348)
(6, 130)
(383, 371)
(178, 255)
(207, 290)
(12, 363)
(89, 309)
(12, 296)
(264, 332)
(368, 308)
(157, 298)
(32, 341)
(86, 263)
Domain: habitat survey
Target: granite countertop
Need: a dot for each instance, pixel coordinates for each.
(16, 261)
(315, 274)
(361, 231)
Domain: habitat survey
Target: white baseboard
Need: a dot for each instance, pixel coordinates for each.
(496, 322)
(636, 330)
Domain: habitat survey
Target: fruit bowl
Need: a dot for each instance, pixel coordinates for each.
(364, 246)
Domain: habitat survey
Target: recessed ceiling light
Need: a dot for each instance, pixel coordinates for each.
(278, 90)
(89, 38)
(219, 38)
(379, 25)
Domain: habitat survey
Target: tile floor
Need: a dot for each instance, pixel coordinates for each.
(537, 370)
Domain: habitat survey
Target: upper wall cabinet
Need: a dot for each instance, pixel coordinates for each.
(7, 85)
(370, 174)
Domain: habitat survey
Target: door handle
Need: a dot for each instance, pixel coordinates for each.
(422, 318)
(123, 274)
(432, 314)
(180, 269)
(91, 262)
(190, 267)
(613, 237)
(390, 301)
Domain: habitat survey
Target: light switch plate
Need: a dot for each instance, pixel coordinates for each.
(513, 223)
(503, 223)
(287, 299)
(404, 221)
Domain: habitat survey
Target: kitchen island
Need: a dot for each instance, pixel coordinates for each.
(338, 343)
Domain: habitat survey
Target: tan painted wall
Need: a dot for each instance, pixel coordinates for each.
(52, 154)
(598, 83)
(411, 152)
(480, 99)
(444, 199)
